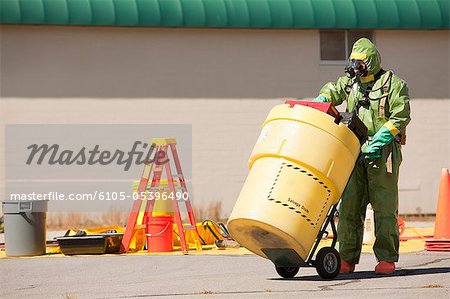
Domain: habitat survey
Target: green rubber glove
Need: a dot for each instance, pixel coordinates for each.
(321, 99)
(382, 138)
(373, 156)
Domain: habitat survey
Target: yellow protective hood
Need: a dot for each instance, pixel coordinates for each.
(363, 49)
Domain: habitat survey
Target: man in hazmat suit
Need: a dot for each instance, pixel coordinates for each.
(381, 101)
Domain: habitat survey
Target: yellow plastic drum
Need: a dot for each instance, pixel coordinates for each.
(299, 168)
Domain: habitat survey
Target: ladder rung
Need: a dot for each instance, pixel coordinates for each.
(152, 176)
(159, 189)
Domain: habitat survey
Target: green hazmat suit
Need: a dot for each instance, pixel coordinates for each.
(381, 101)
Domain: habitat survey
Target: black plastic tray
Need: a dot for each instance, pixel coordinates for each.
(90, 244)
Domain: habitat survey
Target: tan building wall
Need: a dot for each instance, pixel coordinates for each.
(224, 82)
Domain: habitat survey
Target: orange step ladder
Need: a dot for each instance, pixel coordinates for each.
(153, 172)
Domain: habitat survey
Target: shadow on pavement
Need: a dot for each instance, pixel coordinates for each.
(371, 274)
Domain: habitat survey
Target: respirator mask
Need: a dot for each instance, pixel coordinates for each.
(355, 69)
(353, 66)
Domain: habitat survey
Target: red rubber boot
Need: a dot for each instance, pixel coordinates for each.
(385, 268)
(347, 267)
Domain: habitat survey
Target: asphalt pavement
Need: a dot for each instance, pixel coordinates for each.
(420, 275)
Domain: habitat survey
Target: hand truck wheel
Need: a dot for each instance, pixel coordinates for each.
(328, 263)
(287, 272)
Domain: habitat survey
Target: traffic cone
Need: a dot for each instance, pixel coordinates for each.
(442, 222)
(441, 239)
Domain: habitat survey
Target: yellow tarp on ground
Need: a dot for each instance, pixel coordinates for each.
(414, 244)
(411, 245)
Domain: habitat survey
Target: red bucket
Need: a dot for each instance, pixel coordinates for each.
(159, 231)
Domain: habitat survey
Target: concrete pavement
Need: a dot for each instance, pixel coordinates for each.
(198, 276)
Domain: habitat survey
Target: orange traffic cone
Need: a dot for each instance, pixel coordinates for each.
(442, 224)
(441, 240)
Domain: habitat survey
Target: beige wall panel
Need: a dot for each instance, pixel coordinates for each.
(47, 62)
(421, 58)
(224, 82)
(224, 132)
(110, 62)
(427, 151)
